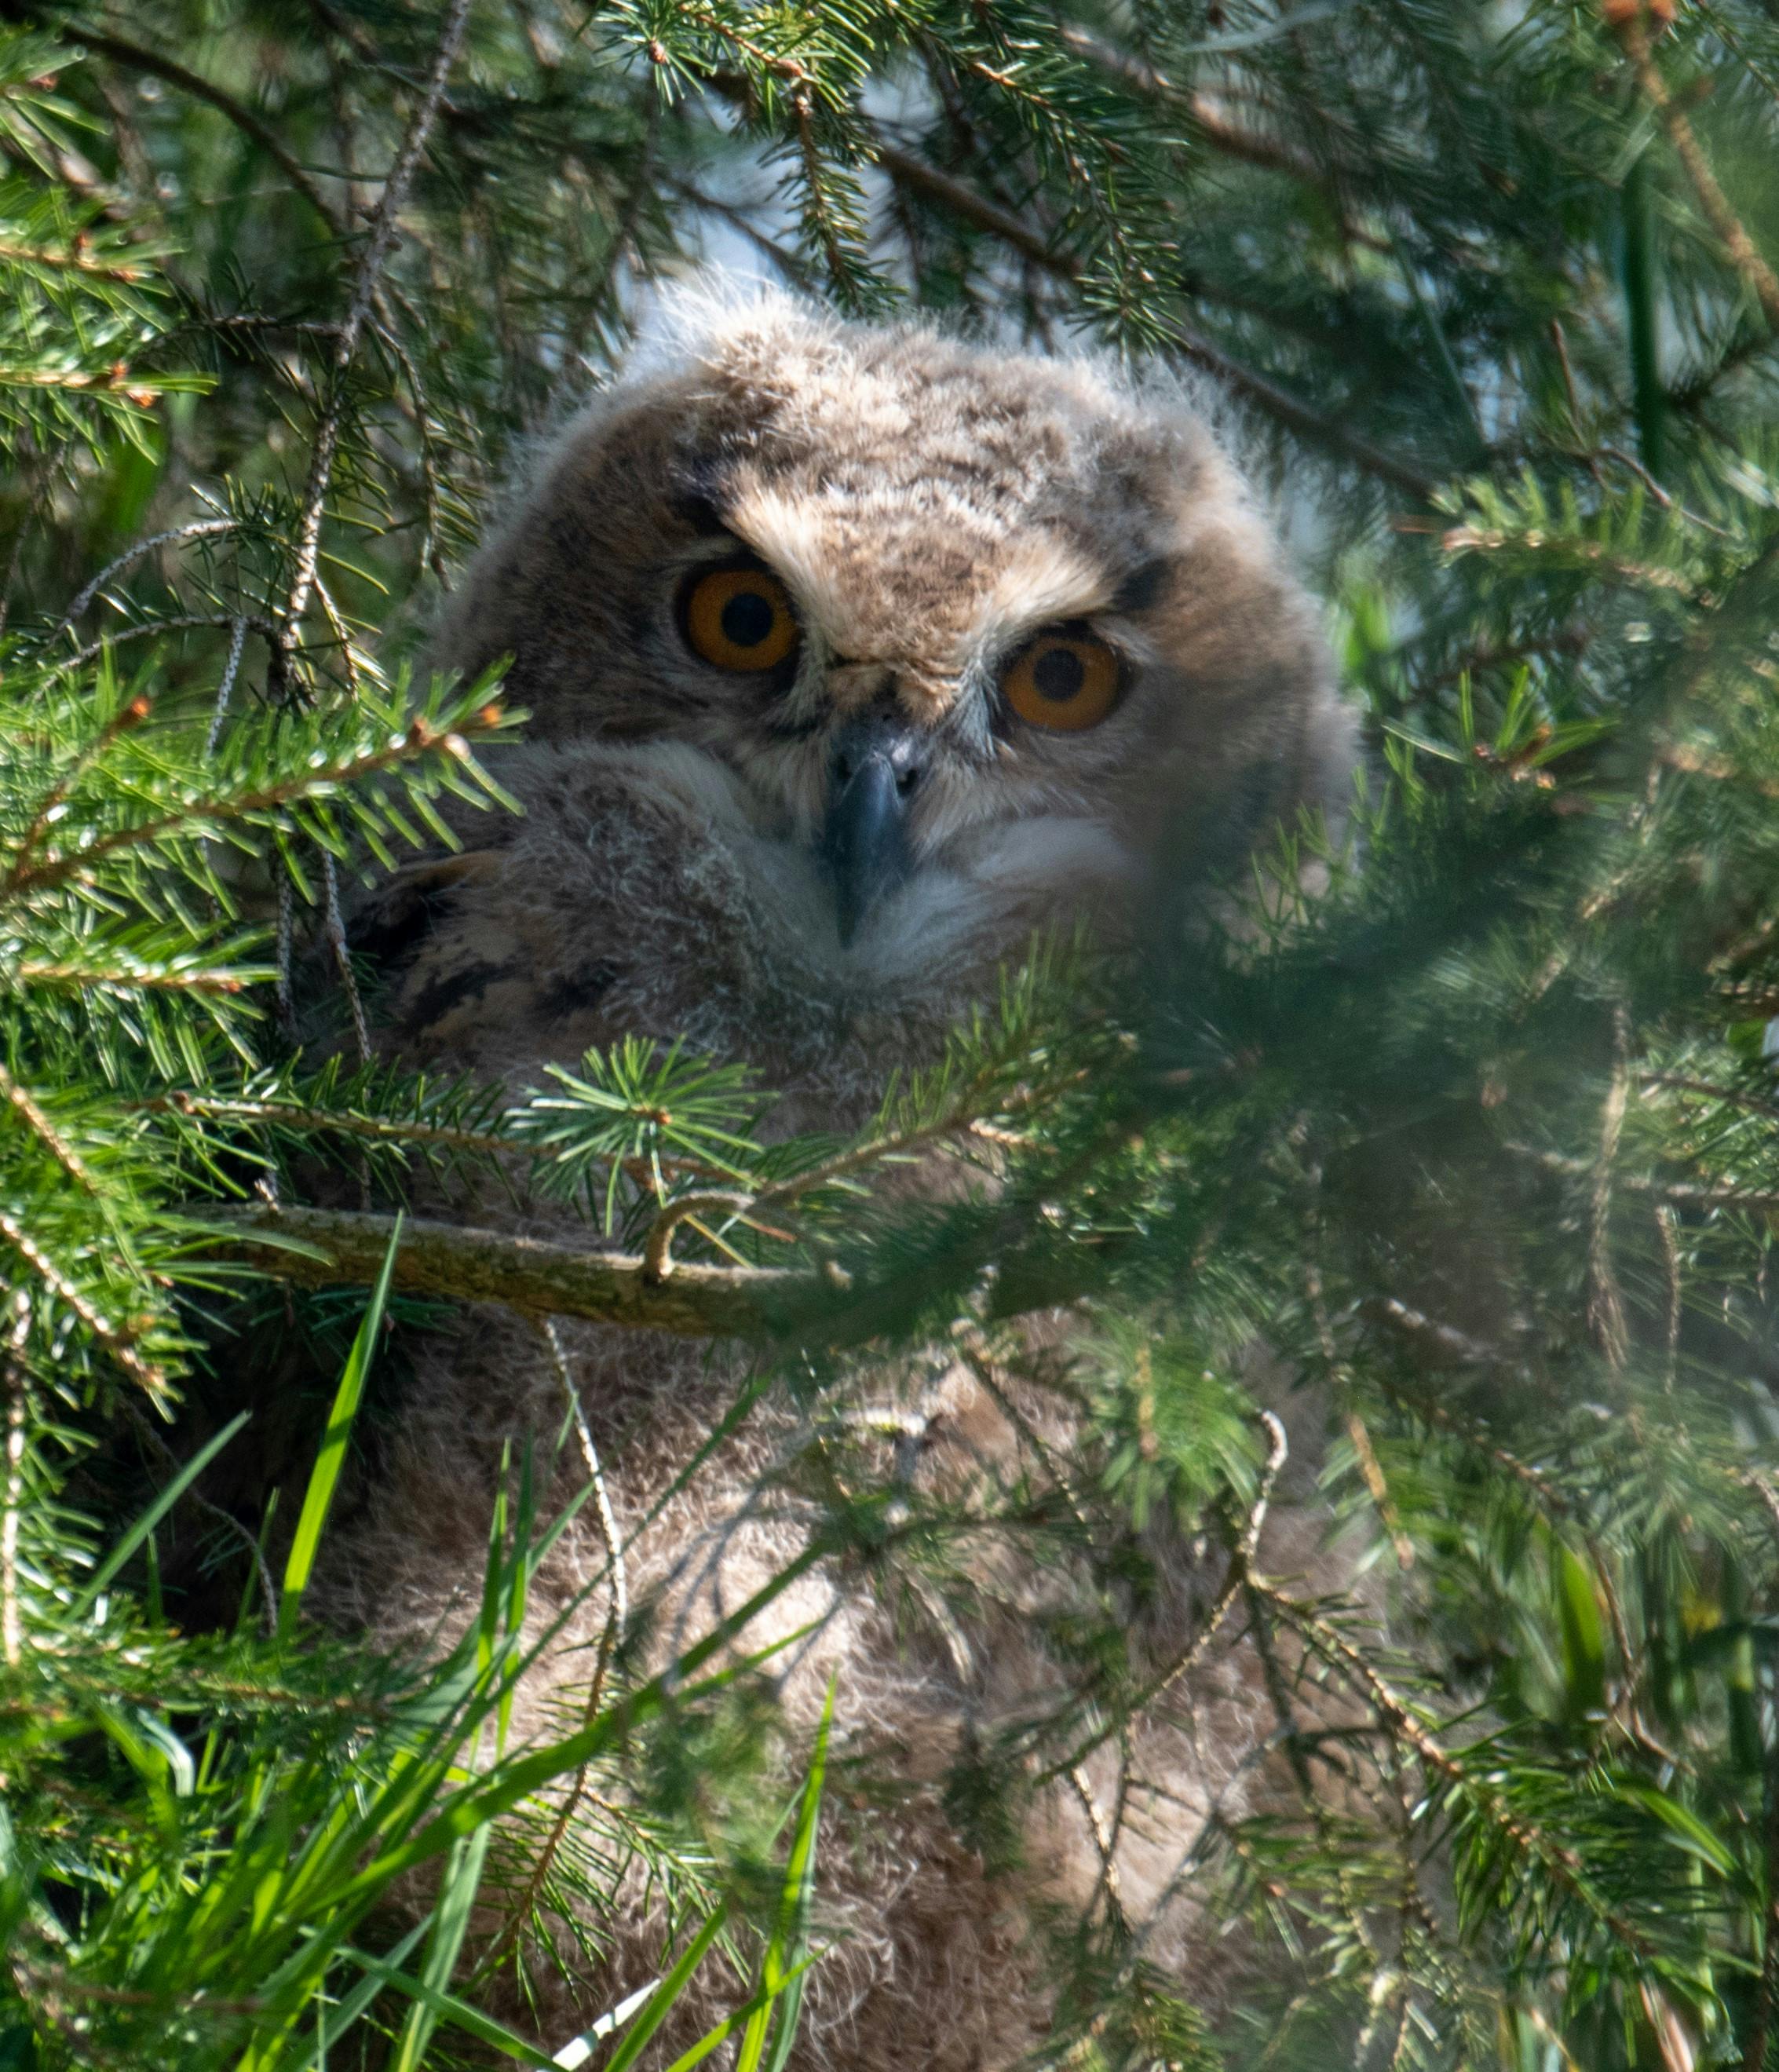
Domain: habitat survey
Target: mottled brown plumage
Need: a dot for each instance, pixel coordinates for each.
(933, 517)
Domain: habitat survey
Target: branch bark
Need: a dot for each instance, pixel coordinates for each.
(321, 1247)
(1762, 282)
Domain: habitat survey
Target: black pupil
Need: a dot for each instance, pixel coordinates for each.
(747, 618)
(1058, 674)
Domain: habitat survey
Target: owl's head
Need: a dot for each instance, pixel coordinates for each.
(964, 639)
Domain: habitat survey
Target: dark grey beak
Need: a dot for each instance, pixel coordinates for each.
(878, 762)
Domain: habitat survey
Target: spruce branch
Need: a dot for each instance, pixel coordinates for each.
(119, 1340)
(420, 738)
(30, 1110)
(377, 249)
(1236, 1582)
(1277, 402)
(320, 1248)
(137, 57)
(1631, 25)
(1562, 1864)
(200, 529)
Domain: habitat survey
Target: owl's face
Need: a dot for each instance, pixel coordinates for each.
(965, 634)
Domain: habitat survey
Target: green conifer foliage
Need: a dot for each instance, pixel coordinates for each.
(1483, 1142)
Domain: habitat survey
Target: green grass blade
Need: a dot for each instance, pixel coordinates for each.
(331, 1458)
(450, 1922)
(379, 1972)
(440, 2006)
(157, 1510)
(781, 1968)
(661, 2000)
(761, 1996)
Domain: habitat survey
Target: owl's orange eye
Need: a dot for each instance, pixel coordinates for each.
(738, 619)
(1067, 680)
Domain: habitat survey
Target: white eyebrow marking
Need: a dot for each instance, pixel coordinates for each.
(1044, 580)
(790, 535)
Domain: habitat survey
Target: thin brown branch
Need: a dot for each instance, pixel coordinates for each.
(1633, 36)
(137, 57)
(1217, 127)
(11, 1619)
(1298, 417)
(1240, 1577)
(201, 529)
(420, 736)
(964, 202)
(377, 253)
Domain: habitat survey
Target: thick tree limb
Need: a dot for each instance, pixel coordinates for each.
(321, 1248)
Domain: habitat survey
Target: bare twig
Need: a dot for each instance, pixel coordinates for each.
(1667, 1231)
(138, 58)
(11, 1619)
(376, 254)
(203, 528)
(619, 1614)
(1606, 1304)
(284, 940)
(333, 923)
(237, 640)
(1633, 36)
(186, 624)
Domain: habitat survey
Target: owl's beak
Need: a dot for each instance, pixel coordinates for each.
(877, 765)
